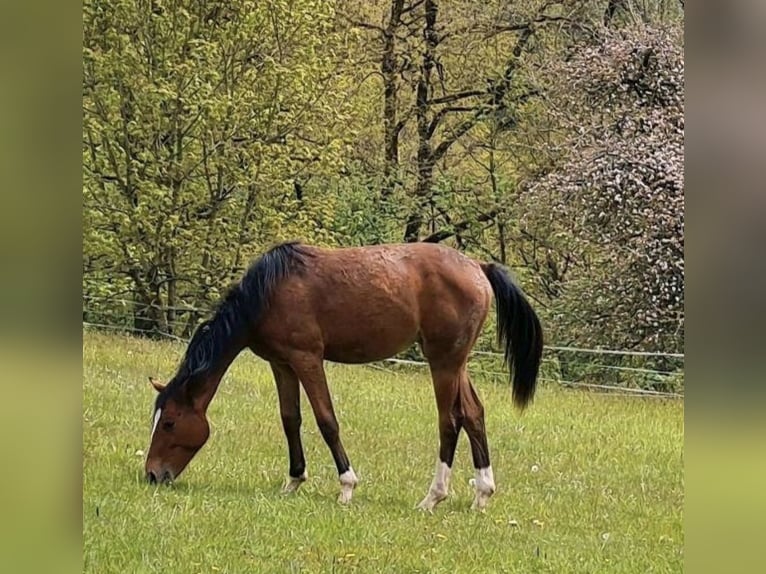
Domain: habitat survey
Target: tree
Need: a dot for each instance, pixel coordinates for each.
(613, 199)
(198, 119)
(447, 69)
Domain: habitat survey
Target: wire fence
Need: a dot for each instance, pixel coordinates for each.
(567, 366)
(572, 384)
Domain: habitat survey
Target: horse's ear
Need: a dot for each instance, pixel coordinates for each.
(158, 386)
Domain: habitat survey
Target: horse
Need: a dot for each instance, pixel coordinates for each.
(299, 305)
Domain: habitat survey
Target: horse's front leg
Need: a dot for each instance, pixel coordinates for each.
(290, 411)
(311, 373)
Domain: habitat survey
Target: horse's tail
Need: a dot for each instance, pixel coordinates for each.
(518, 331)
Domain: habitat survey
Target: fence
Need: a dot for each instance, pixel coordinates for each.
(625, 372)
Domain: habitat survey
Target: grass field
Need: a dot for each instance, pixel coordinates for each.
(586, 482)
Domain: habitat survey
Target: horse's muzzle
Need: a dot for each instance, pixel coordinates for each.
(154, 478)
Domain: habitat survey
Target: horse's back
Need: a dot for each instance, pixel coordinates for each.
(422, 274)
(369, 303)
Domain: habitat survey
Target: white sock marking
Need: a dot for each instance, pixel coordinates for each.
(348, 482)
(484, 483)
(439, 486)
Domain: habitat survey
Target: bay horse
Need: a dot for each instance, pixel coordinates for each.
(300, 305)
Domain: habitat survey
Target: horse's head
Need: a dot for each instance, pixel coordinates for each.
(179, 431)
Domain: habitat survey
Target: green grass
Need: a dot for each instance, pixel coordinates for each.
(605, 495)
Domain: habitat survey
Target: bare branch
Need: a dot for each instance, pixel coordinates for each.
(443, 112)
(455, 135)
(458, 227)
(509, 28)
(411, 7)
(455, 97)
(365, 25)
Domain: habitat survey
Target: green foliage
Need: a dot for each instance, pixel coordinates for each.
(198, 116)
(213, 129)
(360, 216)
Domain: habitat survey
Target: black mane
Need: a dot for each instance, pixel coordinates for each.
(240, 307)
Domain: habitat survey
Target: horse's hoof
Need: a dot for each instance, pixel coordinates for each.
(293, 484)
(484, 488)
(430, 501)
(480, 500)
(424, 508)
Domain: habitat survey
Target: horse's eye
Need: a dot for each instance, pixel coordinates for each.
(168, 425)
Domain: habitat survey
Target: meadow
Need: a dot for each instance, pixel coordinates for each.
(586, 482)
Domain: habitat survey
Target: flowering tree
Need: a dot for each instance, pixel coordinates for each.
(608, 216)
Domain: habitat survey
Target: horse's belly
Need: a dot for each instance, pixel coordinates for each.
(365, 341)
(362, 353)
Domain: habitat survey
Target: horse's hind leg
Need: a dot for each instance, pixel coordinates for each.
(290, 411)
(473, 422)
(445, 380)
(311, 373)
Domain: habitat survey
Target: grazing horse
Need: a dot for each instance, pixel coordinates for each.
(299, 305)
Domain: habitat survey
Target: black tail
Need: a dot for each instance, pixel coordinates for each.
(518, 331)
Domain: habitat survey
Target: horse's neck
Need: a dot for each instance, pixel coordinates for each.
(209, 387)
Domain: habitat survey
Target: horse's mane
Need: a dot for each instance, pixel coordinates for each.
(241, 306)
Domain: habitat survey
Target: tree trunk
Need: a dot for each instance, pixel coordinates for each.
(148, 311)
(425, 157)
(172, 302)
(388, 68)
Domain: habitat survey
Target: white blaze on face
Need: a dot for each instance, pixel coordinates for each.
(157, 415)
